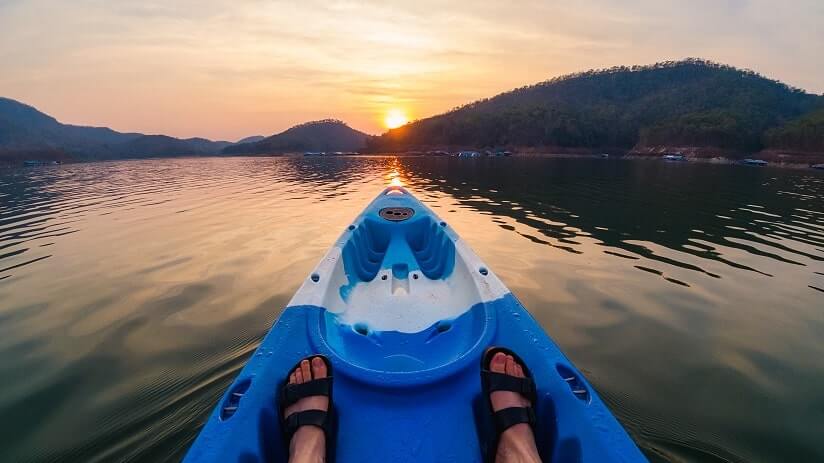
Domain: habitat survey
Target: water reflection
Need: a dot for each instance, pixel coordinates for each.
(698, 211)
(132, 292)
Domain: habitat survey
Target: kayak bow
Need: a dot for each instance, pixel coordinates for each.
(404, 309)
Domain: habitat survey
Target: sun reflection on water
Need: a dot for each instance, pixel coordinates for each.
(394, 176)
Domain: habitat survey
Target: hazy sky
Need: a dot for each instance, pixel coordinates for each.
(226, 69)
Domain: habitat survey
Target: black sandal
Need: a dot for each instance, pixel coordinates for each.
(492, 381)
(291, 393)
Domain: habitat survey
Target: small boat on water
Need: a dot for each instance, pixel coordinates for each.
(754, 162)
(675, 157)
(818, 166)
(404, 310)
(469, 154)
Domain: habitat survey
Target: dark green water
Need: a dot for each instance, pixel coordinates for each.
(692, 296)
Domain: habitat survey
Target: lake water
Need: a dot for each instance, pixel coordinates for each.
(692, 296)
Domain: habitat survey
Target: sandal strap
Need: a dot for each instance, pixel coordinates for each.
(504, 382)
(305, 418)
(508, 417)
(294, 392)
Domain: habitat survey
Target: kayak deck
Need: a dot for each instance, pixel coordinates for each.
(404, 309)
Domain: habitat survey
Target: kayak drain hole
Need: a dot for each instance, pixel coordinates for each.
(383, 277)
(443, 224)
(351, 227)
(315, 277)
(362, 329)
(483, 271)
(441, 327)
(415, 276)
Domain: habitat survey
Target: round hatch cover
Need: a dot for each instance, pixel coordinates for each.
(397, 214)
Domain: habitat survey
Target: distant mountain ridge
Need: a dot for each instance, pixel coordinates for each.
(328, 135)
(697, 106)
(251, 139)
(693, 103)
(27, 133)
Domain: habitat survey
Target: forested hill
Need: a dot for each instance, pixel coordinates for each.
(26, 133)
(684, 103)
(802, 135)
(324, 135)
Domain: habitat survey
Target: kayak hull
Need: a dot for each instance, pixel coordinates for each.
(406, 391)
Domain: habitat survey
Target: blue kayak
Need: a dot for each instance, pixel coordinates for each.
(404, 309)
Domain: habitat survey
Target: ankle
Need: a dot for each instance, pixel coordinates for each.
(517, 444)
(308, 445)
(520, 432)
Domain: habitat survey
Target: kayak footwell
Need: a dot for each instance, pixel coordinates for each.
(428, 415)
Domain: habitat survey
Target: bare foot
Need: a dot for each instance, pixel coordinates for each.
(516, 444)
(308, 444)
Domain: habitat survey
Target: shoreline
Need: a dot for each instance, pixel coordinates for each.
(773, 159)
(702, 160)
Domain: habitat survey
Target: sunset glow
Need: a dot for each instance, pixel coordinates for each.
(230, 69)
(395, 118)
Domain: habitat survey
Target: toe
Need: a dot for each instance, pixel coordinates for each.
(510, 365)
(519, 371)
(306, 369)
(299, 376)
(318, 368)
(292, 378)
(498, 363)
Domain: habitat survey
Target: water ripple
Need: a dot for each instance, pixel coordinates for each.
(132, 292)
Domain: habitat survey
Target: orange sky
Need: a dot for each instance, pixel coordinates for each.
(226, 69)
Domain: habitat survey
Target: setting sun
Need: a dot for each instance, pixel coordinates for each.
(395, 118)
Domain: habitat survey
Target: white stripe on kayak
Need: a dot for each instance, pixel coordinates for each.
(408, 306)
